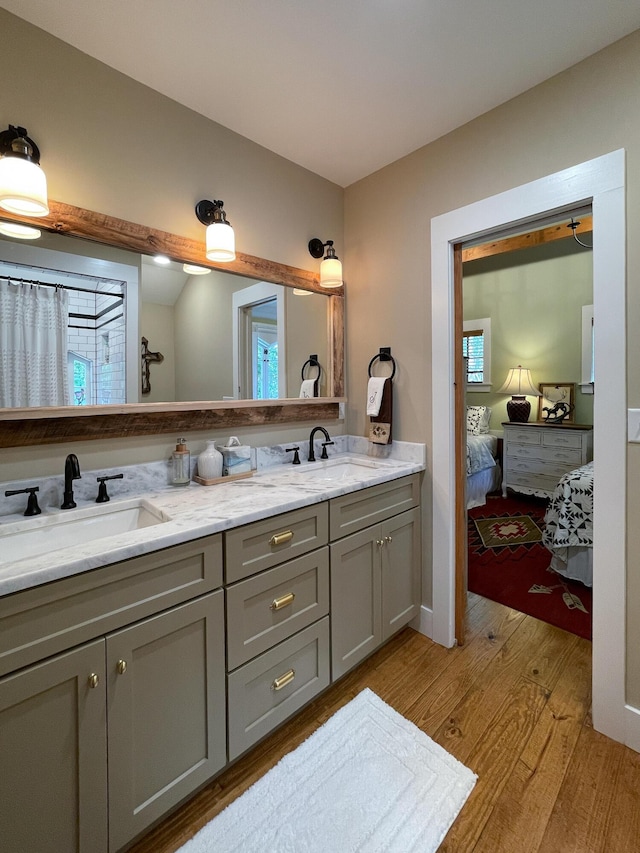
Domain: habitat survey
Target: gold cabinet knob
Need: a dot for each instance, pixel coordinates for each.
(388, 540)
(121, 666)
(94, 680)
(379, 542)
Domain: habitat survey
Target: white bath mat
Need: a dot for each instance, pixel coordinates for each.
(367, 780)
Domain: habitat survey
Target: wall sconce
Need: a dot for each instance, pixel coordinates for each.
(331, 266)
(518, 383)
(221, 241)
(23, 184)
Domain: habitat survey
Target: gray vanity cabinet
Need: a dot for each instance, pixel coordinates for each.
(123, 714)
(375, 572)
(166, 712)
(53, 755)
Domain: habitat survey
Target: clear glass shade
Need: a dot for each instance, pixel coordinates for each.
(221, 242)
(23, 187)
(331, 272)
(519, 383)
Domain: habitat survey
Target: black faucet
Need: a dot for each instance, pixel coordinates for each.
(312, 457)
(71, 472)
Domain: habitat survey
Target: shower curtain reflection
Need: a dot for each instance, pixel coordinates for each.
(33, 345)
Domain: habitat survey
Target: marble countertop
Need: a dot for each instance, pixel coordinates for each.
(195, 511)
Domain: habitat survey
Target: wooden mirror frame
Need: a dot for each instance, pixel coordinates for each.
(30, 426)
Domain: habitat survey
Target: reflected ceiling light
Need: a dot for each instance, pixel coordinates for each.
(221, 241)
(192, 269)
(23, 185)
(163, 260)
(298, 291)
(331, 266)
(20, 232)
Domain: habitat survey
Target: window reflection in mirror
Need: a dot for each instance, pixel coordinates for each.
(191, 319)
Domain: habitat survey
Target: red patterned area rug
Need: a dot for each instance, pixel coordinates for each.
(508, 563)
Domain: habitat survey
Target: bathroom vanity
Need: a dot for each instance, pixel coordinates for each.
(125, 687)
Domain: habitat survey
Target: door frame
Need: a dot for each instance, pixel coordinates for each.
(601, 182)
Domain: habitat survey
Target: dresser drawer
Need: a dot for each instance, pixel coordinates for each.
(47, 619)
(535, 466)
(267, 608)
(263, 544)
(562, 438)
(533, 481)
(571, 456)
(523, 435)
(266, 691)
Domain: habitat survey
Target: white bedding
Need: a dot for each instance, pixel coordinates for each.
(483, 472)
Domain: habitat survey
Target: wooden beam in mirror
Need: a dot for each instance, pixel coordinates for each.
(23, 427)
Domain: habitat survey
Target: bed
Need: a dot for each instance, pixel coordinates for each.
(483, 472)
(568, 531)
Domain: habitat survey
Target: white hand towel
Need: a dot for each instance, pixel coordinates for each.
(306, 389)
(374, 394)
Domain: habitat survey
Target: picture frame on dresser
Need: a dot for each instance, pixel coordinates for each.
(552, 393)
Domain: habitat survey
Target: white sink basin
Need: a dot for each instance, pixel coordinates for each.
(44, 533)
(338, 469)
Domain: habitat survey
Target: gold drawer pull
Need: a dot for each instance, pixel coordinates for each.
(283, 601)
(121, 666)
(93, 680)
(281, 538)
(283, 680)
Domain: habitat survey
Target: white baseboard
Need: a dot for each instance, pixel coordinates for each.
(424, 622)
(632, 727)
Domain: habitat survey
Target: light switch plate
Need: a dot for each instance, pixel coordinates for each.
(633, 425)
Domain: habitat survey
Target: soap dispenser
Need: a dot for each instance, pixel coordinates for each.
(180, 464)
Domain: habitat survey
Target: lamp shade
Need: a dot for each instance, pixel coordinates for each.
(331, 272)
(20, 232)
(221, 242)
(23, 187)
(519, 384)
(193, 269)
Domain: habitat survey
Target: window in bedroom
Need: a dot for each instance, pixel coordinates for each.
(476, 349)
(587, 380)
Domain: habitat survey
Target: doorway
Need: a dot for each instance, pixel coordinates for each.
(601, 183)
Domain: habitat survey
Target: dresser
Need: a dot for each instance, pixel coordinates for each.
(536, 455)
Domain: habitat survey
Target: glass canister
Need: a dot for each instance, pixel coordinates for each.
(181, 464)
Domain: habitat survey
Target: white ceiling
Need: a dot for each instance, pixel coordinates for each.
(342, 87)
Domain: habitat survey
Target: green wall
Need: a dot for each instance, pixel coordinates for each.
(534, 298)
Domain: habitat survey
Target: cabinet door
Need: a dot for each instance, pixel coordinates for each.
(53, 755)
(400, 571)
(166, 712)
(356, 628)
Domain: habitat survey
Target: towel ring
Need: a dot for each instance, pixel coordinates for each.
(312, 362)
(383, 356)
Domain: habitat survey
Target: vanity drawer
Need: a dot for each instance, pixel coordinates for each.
(267, 608)
(263, 544)
(266, 691)
(355, 511)
(40, 622)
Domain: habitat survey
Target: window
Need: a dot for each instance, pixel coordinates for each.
(588, 360)
(476, 349)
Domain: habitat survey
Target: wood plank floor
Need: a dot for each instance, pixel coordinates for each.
(513, 705)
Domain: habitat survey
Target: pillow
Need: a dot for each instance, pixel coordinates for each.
(478, 418)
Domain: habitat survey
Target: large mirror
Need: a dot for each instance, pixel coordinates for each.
(243, 333)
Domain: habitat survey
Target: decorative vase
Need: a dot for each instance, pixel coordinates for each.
(210, 462)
